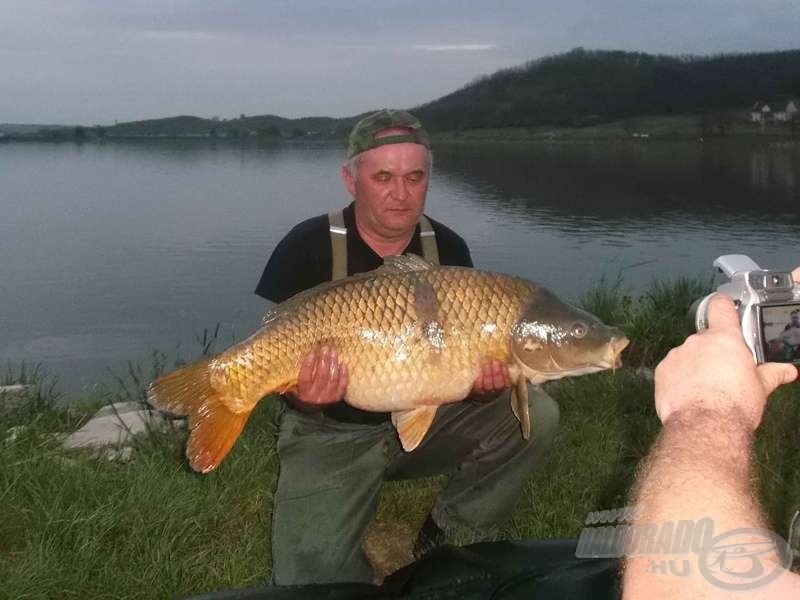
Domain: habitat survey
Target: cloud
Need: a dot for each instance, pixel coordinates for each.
(454, 47)
(179, 35)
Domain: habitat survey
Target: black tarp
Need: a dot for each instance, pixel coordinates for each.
(486, 571)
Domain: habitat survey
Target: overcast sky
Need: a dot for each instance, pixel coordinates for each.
(97, 61)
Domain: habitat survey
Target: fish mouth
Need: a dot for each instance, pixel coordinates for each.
(611, 360)
(615, 347)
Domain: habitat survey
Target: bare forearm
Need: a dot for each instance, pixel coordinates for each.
(700, 468)
(681, 479)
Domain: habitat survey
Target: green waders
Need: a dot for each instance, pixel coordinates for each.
(331, 472)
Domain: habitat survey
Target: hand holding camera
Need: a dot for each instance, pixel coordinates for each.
(714, 372)
(768, 305)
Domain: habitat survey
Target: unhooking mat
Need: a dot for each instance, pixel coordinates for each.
(508, 570)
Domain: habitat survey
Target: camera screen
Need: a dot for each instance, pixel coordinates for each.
(780, 332)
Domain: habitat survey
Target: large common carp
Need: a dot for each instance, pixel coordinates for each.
(413, 337)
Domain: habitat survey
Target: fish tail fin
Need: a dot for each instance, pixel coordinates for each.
(214, 428)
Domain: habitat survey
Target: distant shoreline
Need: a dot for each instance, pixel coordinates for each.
(640, 129)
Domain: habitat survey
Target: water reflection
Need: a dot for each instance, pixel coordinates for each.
(568, 214)
(112, 250)
(630, 180)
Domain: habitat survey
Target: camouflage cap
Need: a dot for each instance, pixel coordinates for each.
(362, 138)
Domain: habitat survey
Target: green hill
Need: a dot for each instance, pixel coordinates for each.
(585, 87)
(260, 126)
(577, 89)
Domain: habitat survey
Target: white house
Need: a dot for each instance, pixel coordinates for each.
(760, 112)
(788, 113)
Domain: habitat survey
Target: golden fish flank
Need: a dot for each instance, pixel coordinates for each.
(413, 337)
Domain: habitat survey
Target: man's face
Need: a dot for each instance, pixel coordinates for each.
(389, 188)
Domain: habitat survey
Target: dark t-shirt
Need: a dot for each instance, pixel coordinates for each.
(302, 259)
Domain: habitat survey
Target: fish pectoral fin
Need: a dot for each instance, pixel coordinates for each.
(412, 425)
(520, 406)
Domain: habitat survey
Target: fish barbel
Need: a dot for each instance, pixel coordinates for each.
(413, 336)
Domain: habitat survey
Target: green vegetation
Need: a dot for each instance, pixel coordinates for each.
(74, 526)
(639, 129)
(582, 94)
(586, 88)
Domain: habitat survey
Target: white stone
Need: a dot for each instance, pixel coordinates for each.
(12, 396)
(107, 428)
(16, 388)
(121, 408)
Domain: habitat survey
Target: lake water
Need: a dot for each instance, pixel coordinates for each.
(110, 251)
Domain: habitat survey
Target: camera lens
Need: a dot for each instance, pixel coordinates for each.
(698, 313)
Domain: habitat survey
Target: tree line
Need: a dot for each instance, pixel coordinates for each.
(586, 87)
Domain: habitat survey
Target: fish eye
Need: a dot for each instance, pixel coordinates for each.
(579, 330)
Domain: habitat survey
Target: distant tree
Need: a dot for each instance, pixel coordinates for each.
(79, 133)
(723, 119)
(241, 116)
(100, 131)
(615, 85)
(268, 131)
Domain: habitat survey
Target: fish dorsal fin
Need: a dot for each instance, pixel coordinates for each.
(520, 406)
(412, 425)
(405, 263)
(392, 265)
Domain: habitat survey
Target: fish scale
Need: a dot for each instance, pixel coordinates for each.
(413, 337)
(398, 368)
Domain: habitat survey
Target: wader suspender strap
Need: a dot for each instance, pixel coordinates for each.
(427, 236)
(430, 251)
(338, 245)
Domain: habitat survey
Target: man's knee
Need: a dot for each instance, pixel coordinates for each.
(546, 415)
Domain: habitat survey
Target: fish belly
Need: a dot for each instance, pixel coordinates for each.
(405, 386)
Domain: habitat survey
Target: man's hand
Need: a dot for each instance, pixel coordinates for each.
(322, 379)
(492, 380)
(714, 370)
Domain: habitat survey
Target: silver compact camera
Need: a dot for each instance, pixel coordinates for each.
(769, 308)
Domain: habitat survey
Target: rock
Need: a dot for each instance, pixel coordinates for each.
(17, 388)
(12, 396)
(119, 408)
(115, 425)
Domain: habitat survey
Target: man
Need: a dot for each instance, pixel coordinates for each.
(794, 320)
(334, 458)
(710, 396)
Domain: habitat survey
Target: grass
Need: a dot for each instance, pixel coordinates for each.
(654, 127)
(74, 526)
